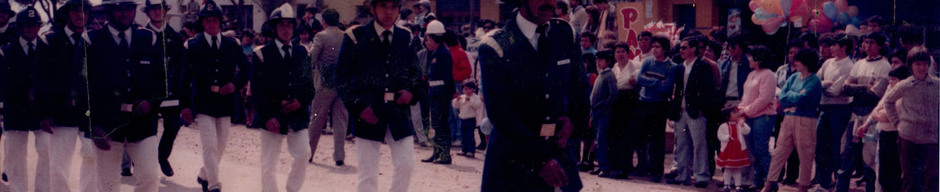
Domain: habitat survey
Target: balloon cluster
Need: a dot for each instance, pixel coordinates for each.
(773, 14)
(837, 11)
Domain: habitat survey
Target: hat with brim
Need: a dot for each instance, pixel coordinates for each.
(5, 8)
(209, 9)
(28, 16)
(153, 4)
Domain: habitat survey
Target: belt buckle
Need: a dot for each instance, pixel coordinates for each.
(389, 96)
(548, 130)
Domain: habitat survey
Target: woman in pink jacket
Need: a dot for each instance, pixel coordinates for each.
(758, 106)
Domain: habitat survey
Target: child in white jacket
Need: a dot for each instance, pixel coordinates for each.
(468, 103)
(733, 156)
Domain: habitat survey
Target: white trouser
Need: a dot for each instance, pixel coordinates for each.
(403, 158)
(418, 124)
(213, 132)
(298, 145)
(88, 182)
(61, 148)
(146, 168)
(14, 161)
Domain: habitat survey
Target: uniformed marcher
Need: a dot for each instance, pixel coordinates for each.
(536, 93)
(282, 90)
(65, 100)
(377, 78)
(125, 81)
(440, 90)
(215, 69)
(7, 33)
(20, 84)
(170, 46)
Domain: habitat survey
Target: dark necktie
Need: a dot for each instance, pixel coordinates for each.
(123, 40)
(215, 42)
(543, 43)
(286, 49)
(30, 50)
(385, 38)
(76, 37)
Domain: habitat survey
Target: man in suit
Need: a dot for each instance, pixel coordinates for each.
(65, 100)
(126, 86)
(377, 77)
(282, 90)
(326, 46)
(440, 90)
(697, 92)
(22, 93)
(170, 47)
(536, 94)
(215, 67)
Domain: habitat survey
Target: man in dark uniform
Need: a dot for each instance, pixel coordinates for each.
(377, 78)
(441, 89)
(20, 84)
(7, 34)
(282, 90)
(215, 67)
(536, 93)
(170, 47)
(65, 100)
(125, 81)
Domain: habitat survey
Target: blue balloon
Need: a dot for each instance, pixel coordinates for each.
(786, 4)
(854, 21)
(829, 9)
(843, 18)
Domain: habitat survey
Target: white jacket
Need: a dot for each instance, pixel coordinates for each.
(724, 135)
(468, 109)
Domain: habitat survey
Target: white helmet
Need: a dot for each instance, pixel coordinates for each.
(435, 28)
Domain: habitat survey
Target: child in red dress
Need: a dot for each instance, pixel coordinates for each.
(733, 155)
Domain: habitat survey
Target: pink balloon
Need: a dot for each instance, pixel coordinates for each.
(818, 26)
(842, 6)
(853, 11)
(754, 5)
(771, 25)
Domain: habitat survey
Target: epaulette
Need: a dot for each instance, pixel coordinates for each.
(351, 34)
(153, 35)
(258, 54)
(491, 42)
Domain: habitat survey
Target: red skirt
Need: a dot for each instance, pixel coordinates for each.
(733, 156)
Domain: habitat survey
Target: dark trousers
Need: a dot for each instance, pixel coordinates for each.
(830, 128)
(468, 143)
(171, 126)
(889, 161)
(441, 126)
(650, 119)
(621, 142)
(851, 154)
(918, 165)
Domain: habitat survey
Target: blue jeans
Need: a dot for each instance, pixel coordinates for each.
(601, 123)
(833, 119)
(468, 144)
(454, 123)
(757, 145)
(851, 151)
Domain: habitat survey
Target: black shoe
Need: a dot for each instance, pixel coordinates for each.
(584, 167)
(311, 160)
(789, 182)
(672, 180)
(656, 179)
(595, 172)
(5, 177)
(442, 161)
(166, 168)
(340, 163)
(701, 184)
(430, 159)
(126, 172)
(672, 174)
(482, 146)
(216, 190)
(613, 175)
(203, 183)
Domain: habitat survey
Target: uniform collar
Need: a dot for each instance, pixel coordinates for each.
(218, 37)
(379, 30)
(23, 43)
(279, 44)
(527, 27)
(115, 33)
(155, 28)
